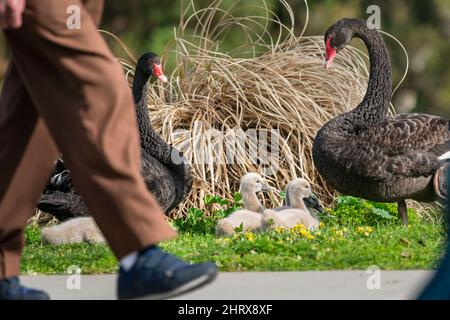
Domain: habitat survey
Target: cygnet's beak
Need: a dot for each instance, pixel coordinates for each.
(266, 188)
(312, 202)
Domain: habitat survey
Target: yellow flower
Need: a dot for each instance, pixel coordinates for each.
(223, 241)
(298, 228)
(301, 230)
(364, 230)
(280, 230)
(250, 236)
(339, 233)
(321, 225)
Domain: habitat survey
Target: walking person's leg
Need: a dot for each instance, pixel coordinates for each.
(27, 154)
(80, 91)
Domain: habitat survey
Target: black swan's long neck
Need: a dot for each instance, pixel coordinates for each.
(153, 145)
(375, 104)
(151, 142)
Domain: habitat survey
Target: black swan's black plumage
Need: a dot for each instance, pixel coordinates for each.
(166, 173)
(370, 154)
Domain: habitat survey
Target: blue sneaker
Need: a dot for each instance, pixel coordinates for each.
(159, 275)
(11, 289)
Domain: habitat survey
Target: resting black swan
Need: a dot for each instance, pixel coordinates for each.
(166, 173)
(369, 154)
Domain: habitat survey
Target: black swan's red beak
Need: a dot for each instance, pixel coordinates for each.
(330, 54)
(158, 72)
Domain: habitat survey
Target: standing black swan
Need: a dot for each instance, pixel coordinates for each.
(369, 154)
(166, 173)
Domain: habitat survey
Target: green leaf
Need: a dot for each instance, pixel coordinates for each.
(349, 200)
(229, 211)
(240, 228)
(382, 213)
(209, 199)
(223, 202)
(237, 197)
(195, 213)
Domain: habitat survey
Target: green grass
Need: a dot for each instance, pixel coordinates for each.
(355, 235)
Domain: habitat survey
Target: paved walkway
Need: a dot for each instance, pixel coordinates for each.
(259, 285)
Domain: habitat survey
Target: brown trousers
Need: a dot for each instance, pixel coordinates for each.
(65, 91)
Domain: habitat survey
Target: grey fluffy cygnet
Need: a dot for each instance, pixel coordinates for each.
(251, 216)
(296, 212)
(76, 230)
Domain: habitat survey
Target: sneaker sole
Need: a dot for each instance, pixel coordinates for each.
(185, 288)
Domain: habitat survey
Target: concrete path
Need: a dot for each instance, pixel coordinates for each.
(258, 285)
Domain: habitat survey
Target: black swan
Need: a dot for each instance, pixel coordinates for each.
(167, 174)
(370, 154)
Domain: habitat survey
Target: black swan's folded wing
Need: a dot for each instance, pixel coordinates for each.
(410, 144)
